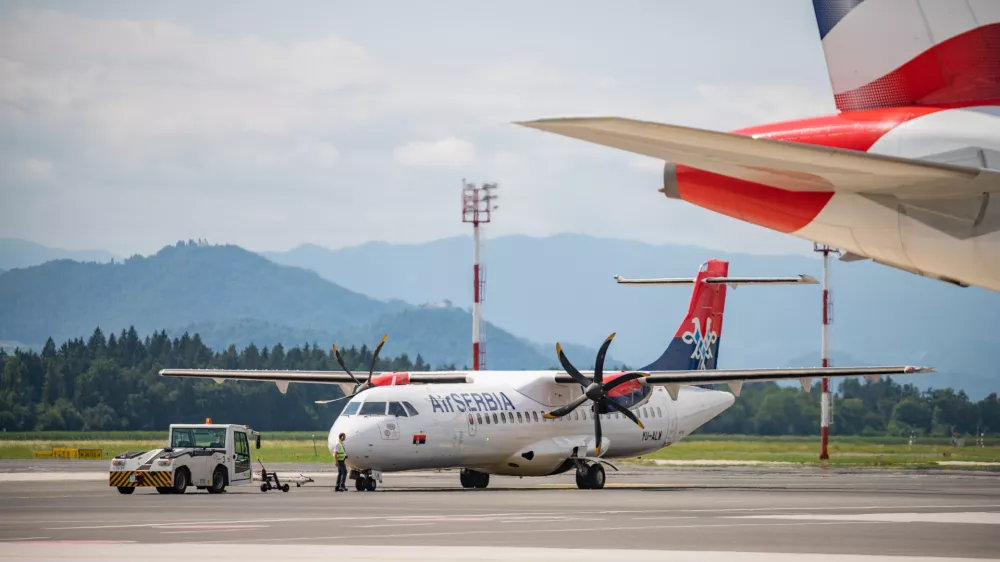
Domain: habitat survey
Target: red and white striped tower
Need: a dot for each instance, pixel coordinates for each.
(477, 208)
(824, 423)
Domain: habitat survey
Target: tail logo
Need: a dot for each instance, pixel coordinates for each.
(702, 342)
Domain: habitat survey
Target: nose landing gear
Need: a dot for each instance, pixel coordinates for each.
(365, 481)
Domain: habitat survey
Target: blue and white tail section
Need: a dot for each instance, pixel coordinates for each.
(695, 345)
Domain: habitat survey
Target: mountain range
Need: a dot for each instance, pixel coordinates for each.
(15, 252)
(558, 288)
(231, 296)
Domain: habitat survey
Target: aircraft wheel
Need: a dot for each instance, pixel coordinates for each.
(125, 490)
(467, 478)
(581, 480)
(595, 477)
(359, 483)
(482, 480)
(370, 484)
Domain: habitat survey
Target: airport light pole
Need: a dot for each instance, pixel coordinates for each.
(824, 422)
(477, 208)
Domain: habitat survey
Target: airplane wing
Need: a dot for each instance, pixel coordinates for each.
(735, 378)
(282, 378)
(945, 196)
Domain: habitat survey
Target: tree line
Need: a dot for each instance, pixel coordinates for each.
(111, 383)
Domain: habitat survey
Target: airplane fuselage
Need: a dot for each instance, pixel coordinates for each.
(496, 425)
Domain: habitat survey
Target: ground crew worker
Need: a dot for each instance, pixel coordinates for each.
(340, 453)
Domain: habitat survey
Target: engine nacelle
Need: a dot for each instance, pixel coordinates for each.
(391, 379)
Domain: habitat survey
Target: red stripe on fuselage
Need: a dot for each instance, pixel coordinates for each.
(965, 67)
(778, 209)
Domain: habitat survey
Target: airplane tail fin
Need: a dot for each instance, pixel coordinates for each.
(890, 53)
(696, 343)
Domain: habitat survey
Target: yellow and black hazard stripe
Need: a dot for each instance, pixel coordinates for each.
(159, 478)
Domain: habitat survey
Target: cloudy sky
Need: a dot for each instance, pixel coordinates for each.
(126, 126)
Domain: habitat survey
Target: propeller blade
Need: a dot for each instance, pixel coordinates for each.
(626, 412)
(599, 364)
(563, 410)
(375, 356)
(597, 429)
(623, 379)
(570, 369)
(340, 361)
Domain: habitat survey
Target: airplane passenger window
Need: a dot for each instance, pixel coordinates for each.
(503, 418)
(659, 413)
(534, 415)
(413, 411)
(495, 420)
(351, 409)
(487, 416)
(519, 420)
(397, 409)
(511, 416)
(373, 409)
(479, 419)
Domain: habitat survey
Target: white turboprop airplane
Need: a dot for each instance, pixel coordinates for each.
(531, 423)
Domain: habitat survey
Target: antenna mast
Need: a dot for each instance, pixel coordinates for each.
(477, 208)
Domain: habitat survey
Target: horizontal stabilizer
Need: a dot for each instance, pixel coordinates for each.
(731, 281)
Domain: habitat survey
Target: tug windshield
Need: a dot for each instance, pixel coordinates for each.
(210, 437)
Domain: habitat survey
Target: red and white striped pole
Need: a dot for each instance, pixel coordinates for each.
(476, 303)
(824, 424)
(477, 207)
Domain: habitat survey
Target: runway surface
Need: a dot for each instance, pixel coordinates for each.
(732, 513)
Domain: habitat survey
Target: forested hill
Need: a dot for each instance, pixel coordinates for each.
(110, 382)
(176, 287)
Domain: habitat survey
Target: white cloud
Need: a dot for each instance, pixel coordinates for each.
(254, 133)
(35, 169)
(646, 164)
(445, 153)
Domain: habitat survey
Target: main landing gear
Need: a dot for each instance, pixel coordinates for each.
(473, 479)
(589, 477)
(364, 481)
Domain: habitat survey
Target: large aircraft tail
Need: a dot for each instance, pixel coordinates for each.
(889, 53)
(696, 343)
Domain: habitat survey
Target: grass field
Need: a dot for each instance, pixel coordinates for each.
(298, 447)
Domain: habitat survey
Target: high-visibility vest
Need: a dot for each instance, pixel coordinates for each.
(341, 452)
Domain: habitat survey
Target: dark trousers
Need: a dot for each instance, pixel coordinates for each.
(341, 475)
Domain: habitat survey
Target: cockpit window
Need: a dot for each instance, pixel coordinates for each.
(409, 408)
(373, 409)
(397, 409)
(352, 408)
